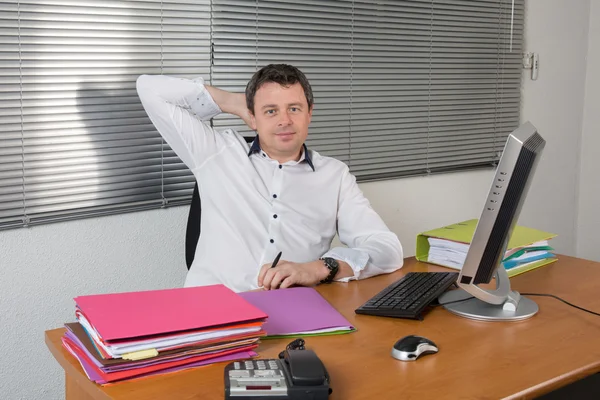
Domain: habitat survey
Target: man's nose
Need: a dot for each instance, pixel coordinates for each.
(285, 119)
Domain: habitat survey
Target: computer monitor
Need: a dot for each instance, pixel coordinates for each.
(500, 213)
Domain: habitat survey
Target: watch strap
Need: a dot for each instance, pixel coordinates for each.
(333, 267)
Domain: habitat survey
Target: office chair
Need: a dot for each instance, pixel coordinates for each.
(192, 233)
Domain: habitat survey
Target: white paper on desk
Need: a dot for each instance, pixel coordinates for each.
(530, 254)
(453, 254)
(445, 263)
(160, 344)
(116, 351)
(448, 244)
(510, 252)
(445, 244)
(325, 330)
(447, 254)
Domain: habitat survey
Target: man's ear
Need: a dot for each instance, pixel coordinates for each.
(310, 111)
(252, 121)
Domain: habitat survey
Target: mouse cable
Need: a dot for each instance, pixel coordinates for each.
(559, 299)
(526, 294)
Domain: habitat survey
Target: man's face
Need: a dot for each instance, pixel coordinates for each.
(281, 118)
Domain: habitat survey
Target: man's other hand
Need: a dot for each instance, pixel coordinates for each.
(288, 273)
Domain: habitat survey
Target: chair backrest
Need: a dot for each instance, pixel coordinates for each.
(192, 233)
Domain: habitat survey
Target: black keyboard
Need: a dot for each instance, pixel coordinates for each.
(408, 297)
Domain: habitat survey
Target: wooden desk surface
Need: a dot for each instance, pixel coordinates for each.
(477, 360)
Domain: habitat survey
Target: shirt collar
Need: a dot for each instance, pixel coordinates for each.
(255, 148)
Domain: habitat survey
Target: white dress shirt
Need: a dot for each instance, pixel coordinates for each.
(253, 207)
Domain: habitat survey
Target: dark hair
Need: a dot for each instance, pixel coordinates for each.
(284, 74)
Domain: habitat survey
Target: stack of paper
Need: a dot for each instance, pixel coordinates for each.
(448, 246)
(298, 311)
(136, 334)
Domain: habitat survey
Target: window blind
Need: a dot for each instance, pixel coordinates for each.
(74, 138)
(313, 35)
(401, 87)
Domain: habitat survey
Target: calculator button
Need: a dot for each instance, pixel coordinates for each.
(264, 374)
(236, 365)
(239, 374)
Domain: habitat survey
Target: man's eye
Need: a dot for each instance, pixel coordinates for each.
(294, 109)
(270, 112)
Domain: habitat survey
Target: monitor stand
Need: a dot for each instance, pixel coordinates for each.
(500, 304)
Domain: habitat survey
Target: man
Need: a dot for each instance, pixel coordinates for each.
(272, 196)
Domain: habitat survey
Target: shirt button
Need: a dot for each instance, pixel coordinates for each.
(274, 215)
(274, 196)
(281, 166)
(272, 241)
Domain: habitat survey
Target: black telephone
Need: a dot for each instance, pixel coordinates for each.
(299, 375)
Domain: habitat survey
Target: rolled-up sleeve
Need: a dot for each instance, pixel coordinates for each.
(179, 109)
(372, 248)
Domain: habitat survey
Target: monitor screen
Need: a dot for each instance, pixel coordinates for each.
(501, 210)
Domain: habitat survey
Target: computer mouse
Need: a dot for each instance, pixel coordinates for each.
(409, 348)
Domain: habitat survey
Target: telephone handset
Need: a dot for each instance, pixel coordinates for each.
(300, 374)
(305, 368)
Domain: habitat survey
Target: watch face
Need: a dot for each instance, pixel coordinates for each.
(333, 266)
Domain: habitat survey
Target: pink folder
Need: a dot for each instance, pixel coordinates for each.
(155, 312)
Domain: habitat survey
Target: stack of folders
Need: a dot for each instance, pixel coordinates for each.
(528, 248)
(123, 336)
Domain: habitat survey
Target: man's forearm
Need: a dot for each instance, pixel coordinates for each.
(232, 103)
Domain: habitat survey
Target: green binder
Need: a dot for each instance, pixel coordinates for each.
(463, 232)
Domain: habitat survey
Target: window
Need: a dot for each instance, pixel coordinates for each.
(402, 87)
(74, 138)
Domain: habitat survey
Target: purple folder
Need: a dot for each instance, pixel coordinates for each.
(297, 311)
(95, 377)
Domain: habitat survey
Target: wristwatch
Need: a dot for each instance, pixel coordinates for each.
(333, 267)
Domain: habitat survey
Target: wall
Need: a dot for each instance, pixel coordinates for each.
(44, 267)
(588, 221)
(557, 30)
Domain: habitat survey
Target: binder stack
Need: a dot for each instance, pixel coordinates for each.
(527, 248)
(123, 336)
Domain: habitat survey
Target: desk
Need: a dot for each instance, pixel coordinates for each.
(477, 360)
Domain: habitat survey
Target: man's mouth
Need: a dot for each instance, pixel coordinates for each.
(285, 135)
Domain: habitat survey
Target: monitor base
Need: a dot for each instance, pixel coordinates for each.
(474, 308)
